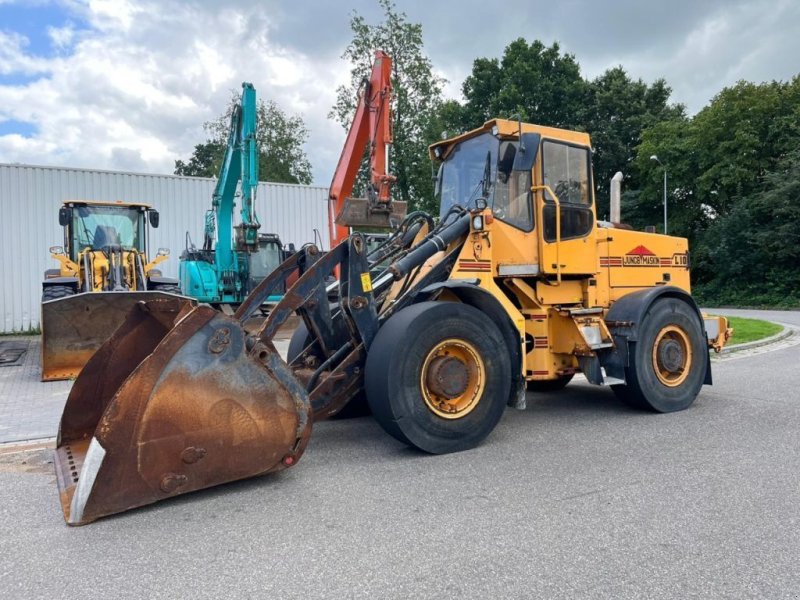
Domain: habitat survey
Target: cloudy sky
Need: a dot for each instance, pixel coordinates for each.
(127, 84)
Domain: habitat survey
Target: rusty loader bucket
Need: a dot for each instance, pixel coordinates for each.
(185, 397)
(179, 398)
(73, 328)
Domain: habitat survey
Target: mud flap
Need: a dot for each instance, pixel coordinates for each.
(175, 401)
(73, 328)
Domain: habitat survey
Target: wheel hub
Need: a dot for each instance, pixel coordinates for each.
(672, 355)
(447, 377)
(452, 379)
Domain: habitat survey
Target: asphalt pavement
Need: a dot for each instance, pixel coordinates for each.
(576, 497)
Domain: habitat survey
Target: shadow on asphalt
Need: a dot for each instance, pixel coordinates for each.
(360, 442)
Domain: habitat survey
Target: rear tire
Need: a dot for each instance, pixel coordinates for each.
(668, 362)
(550, 385)
(54, 292)
(438, 375)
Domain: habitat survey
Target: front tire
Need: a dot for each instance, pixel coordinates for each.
(166, 287)
(437, 376)
(668, 362)
(54, 292)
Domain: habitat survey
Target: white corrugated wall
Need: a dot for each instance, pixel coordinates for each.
(30, 197)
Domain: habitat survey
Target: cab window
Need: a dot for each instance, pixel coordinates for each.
(512, 193)
(566, 171)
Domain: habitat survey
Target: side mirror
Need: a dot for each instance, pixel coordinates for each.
(163, 252)
(64, 215)
(437, 183)
(153, 215)
(524, 159)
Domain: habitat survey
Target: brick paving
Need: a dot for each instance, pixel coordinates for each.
(30, 409)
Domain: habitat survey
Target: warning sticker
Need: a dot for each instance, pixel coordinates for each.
(366, 282)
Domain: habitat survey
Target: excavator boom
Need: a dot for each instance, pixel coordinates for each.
(371, 130)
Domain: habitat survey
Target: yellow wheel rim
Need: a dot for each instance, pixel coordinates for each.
(452, 379)
(672, 356)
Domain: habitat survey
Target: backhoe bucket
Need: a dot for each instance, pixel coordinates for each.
(360, 212)
(178, 399)
(73, 328)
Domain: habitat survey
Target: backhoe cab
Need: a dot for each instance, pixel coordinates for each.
(438, 327)
(103, 270)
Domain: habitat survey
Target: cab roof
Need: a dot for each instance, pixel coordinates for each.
(507, 128)
(117, 203)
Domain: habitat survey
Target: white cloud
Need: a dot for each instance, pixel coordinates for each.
(132, 81)
(136, 87)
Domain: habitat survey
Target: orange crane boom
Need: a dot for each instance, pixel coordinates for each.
(371, 125)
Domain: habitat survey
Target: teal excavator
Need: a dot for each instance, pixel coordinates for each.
(234, 258)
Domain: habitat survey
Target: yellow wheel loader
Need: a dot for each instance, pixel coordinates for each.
(103, 271)
(516, 285)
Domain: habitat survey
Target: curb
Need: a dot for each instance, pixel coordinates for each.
(24, 445)
(780, 336)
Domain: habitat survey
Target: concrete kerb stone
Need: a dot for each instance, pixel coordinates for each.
(785, 333)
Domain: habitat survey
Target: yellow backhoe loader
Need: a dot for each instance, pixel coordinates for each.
(103, 271)
(516, 285)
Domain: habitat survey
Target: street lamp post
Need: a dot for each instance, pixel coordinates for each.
(663, 166)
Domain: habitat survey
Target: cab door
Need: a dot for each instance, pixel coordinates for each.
(565, 208)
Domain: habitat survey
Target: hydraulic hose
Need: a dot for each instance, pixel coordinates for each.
(436, 241)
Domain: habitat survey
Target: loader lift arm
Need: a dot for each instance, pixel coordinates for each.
(371, 130)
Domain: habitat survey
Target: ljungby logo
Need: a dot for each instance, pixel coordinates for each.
(641, 257)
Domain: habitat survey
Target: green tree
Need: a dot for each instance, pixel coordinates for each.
(534, 81)
(280, 140)
(617, 109)
(542, 85)
(752, 252)
(417, 97)
(204, 162)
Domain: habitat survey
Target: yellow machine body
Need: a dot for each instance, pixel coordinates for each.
(562, 289)
(517, 286)
(97, 280)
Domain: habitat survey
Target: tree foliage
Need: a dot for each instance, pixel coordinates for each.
(417, 98)
(280, 140)
(536, 82)
(753, 251)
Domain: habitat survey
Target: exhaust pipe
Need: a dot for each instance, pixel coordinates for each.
(616, 198)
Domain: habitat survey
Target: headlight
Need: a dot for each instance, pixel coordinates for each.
(477, 223)
(56, 250)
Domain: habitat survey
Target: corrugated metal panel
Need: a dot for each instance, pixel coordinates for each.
(30, 197)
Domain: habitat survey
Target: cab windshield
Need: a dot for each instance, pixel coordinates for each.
(461, 179)
(482, 167)
(97, 227)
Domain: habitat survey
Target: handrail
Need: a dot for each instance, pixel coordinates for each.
(557, 202)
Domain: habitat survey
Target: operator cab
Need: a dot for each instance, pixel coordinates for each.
(524, 175)
(100, 225)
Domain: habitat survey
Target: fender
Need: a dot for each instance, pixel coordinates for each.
(627, 313)
(468, 292)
